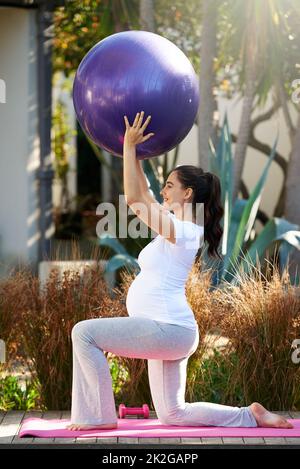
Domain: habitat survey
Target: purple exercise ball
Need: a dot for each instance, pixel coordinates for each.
(135, 71)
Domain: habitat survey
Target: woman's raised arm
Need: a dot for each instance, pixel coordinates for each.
(132, 170)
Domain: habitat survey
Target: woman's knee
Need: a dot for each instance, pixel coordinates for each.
(169, 419)
(175, 415)
(162, 417)
(168, 416)
(79, 331)
(174, 419)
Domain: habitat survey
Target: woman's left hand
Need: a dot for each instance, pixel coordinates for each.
(134, 135)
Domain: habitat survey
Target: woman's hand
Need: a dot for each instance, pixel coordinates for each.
(134, 135)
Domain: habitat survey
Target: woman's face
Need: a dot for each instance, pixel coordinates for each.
(173, 193)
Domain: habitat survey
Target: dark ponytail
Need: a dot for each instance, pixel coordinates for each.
(213, 213)
(207, 190)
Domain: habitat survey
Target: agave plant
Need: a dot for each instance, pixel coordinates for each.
(239, 217)
(121, 259)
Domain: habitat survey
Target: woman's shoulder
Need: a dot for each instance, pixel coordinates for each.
(186, 231)
(190, 223)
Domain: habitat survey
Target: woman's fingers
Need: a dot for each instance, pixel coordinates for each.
(140, 121)
(147, 136)
(126, 122)
(135, 123)
(146, 123)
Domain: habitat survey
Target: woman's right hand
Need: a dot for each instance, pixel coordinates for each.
(134, 135)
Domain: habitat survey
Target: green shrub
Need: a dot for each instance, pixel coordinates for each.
(14, 397)
(213, 379)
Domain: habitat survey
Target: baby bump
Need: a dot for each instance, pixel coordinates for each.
(141, 300)
(147, 295)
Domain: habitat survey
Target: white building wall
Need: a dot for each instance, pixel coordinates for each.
(19, 144)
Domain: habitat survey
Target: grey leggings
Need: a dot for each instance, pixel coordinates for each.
(167, 348)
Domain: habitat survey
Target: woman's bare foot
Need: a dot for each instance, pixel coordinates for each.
(265, 418)
(79, 426)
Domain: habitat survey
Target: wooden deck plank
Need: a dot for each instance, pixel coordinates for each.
(10, 426)
(107, 440)
(233, 441)
(2, 415)
(66, 414)
(170, 441)
(147, 441)
(191, 441)
(80, 440)
(275, 441)
(43, 441)
(292, 440)
(253, 441)
(294, 414)
(52, 414)
(212, 441)
(40, 441)
(12, 416)
(126, 440)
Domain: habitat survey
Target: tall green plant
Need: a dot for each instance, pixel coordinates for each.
(238, 250)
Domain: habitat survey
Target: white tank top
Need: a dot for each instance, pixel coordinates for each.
(158, 290)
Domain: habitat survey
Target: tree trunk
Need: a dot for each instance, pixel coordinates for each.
(250, 59)
(245, 122)
(207, 125)
(147, 22)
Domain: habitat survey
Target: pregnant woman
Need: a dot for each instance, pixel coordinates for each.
(161, 326)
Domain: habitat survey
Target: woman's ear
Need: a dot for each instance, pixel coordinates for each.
(189, 194)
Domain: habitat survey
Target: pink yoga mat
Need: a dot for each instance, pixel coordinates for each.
(147, 428)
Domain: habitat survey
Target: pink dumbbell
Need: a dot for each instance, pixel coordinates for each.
(123, 411)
